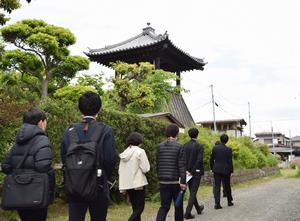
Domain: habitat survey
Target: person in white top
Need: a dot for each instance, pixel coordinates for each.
(132, 180)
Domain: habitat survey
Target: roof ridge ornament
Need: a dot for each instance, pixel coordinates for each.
(148, 29)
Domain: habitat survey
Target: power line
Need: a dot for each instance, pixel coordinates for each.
(226, 111)
(229, 101)
(278, 120)
(202, 105)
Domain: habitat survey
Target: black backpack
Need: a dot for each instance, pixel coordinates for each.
(82, 168)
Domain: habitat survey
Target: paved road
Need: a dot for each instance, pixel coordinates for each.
(277, 200)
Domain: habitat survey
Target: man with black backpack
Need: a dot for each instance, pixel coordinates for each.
(89, 156)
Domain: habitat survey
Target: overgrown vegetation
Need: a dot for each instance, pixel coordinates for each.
(139, 88)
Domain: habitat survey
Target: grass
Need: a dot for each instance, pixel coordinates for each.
(120, 212)
(290, 173)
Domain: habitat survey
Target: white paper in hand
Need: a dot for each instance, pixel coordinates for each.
(188, 177)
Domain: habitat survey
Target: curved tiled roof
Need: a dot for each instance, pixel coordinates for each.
(147, 38)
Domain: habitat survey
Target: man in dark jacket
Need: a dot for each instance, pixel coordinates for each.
(171, 171)
(222, 167)
(32, 135)
(89, 105)
(194, 167)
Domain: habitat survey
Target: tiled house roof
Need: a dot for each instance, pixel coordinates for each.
(178, 108)
(164, 114)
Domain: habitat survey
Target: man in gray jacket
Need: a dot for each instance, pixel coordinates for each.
(171, 171)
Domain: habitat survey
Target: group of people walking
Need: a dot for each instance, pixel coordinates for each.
(89, 156)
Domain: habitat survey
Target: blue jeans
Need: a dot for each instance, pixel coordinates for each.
(97, 209)
(169, 192)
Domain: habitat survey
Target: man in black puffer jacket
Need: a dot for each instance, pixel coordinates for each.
(171, 171)
(32, 133)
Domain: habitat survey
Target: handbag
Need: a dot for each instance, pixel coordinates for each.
(25, 188)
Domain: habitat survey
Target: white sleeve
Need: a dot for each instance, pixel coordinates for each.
(144, 163)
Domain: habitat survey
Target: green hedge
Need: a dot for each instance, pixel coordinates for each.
(61, 114)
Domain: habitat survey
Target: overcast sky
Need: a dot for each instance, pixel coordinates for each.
(252, 48)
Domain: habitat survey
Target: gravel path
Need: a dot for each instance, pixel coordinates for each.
(277, 200)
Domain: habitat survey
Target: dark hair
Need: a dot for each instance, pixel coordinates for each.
(135, 139)
(193, 132)
(224, 138)
(172, 130)
(33, 116)
(89, 103)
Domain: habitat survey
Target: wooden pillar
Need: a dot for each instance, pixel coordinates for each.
(156, 62)
(178, 80)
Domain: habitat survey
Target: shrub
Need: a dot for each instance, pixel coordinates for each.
(263, 148)
(261, 158)
(246, 159)
(272, 160)
(72, 92)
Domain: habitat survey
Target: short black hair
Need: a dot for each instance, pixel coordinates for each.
(33, 116)
(224, 138)
(172, 130)
(135, 139)
(193, 132)
(89, 103)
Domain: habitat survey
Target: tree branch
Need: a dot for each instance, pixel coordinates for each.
(31, 50)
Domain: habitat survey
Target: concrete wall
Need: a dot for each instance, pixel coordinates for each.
(244, 175)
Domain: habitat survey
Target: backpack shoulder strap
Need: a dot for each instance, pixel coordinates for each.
(73, 135)
(30, 145)
(99, 149)
(98, 131)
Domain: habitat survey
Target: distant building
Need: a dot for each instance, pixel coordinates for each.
(233, 127)
(296, 142)
(281, 142)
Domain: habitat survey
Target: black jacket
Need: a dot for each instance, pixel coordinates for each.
(194, 157)
(39, 157)
(221, 160)
(106, 141)
(170, 162)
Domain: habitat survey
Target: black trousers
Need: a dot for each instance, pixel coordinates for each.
(169, 192)
(33, 215)
(97, 209)
(137, 200)
(194, 184)
(225, 179)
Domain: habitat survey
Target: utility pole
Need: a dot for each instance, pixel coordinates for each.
(249, 120)
(291, 145)
(213, 103)
(272, 138)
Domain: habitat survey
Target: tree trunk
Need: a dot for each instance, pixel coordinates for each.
(122, 106)
(44, 89)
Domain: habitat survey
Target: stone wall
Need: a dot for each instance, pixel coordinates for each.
(244, 175)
